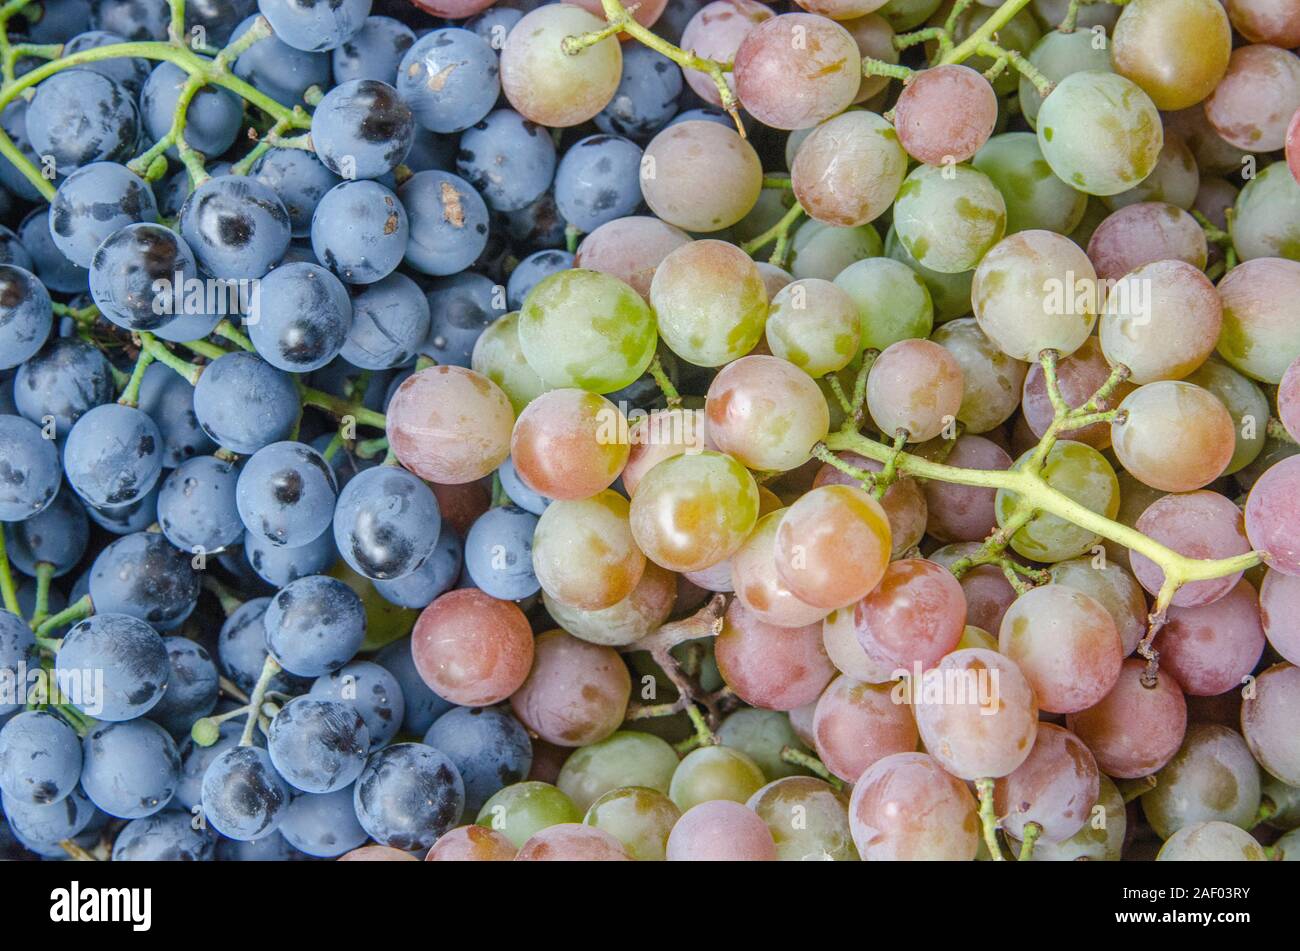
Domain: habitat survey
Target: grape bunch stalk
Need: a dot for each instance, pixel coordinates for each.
(439, 470)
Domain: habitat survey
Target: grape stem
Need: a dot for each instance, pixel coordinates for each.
(158, 351)
(656, 370)
(76, 852)
(811, 763)
(270, 668)
(1275, 430)
(41, 609)
(78, 610)
(1032, 831)
(1131, 789)
(131, 394)
(989, 819)
(8, 591)
(1155, 621)
(779, 233)
(970, 46)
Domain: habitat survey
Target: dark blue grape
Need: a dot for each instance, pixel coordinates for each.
(494, 24)
(169, 401)
(26, 315)
(168, 836)
(133, 19)
(314, 625)
(54, 21)
(508, 159)
(374, 52)
(598, 180)
(243, 796)
(390, 319)
(92, 203)
(423, 706)
(79, 116)
(646, 98)
(286, 493)
(315, 25)
(269, 848)
(431, 151)
(241, 650)
(706, 114)
(129, 71)
(212, 119)
(56, 536)
(113, 454)
(17, 649)
(14, 121)
(323, 825)
(300, 317)
(124, 519)
(318, 745)
(65, 380)
(146, 576)
(112, 667)
(300, 179)
(236, 226)
(191, 687)
(386, 522)
(499, 553)
(12, 251)
(436, 576)
(362, 129)
(130, 769)
(55, 271)
(243, 403)
(359, 231)
(217, 19)
(408, 795)
(42, 827)
(196, 505)
(461, 307)
(372, 692)
(531, 270)
(40, 758)
(133, 273)
(488, 746)
(278, 565)
(196, 759)
(29, 469)
(540, 225)
(278, 69)
(450, 79)
(449, 223)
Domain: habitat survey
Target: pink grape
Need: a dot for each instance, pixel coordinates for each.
(766, 412)
(758, 584)
(988, 592)
(1196, 524)
(1267, 21)
(904, 502)
(976, 713)
(1210, 649)
(471, 648)
(572, 842)
(906, 808)
(1293, 146)
(1273, 516)
(454, 9)
(796, 70)
(849, 169)
(700, 175)
(715, 32)
(646, 13)
(992, 381)
(1055, 787)
(840, 638)
(1261, 310)
(841, 9)
(546, 85)
(450, 425)
(914, 616)
(569, 444)
(1144, 233)
(1254, 102)
(1135, 730)
(945, 114)
(774, 668)
(1078, 377)
(914, 386)
(1173, 435)
(377, 853)
(575, 694)
(832, 546)
(875, 39)
(856, 725)
(1161, 320)
(1114, 588)
(630, 249)
(720, 831)
(1211, 842)
(1279, 607)
(1268, 721)
(472, 844)
(1288, 398)
(962, 513)
(661, 435)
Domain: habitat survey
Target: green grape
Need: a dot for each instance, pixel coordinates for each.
(500, 358)
(1035, 197)
(625, 758)
(640, 818)
(710, 301)
(1245, 403)
(1175, 180)
(1056, 56)
(892, 302)
(814, 325)
(949, 293)
(822, 251)
(1211, 842)
(1078, 471)
(714, 772)
(904, 15)
(948, 217)
(520, 810)
(1261, 311)
(585, 329)
(1102, 837)
(762, 735)
(808, 819)
(385, 621)
(1266, 219)
(1211, 777)
(1177, 50)
(1100, 132)
(991, 380)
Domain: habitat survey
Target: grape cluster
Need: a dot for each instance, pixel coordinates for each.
(470, 430)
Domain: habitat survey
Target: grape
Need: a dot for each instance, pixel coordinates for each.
(914, 387)
(373, 52)
(1135, 730)
(64, 380)
(449, 425)
(598, 181)
(568, 444)
(489, 748)
(498, 356)
(965, 513)
(796, 70)
(948, 218)
(449, 78)
(576, 692)
(26, 315)
(192, 686)
(314, 625)
(630, 249)
(42, 827)
(639, 818)
(823, 251)
(709, 301)
(372, 691)
(1258, 303)
(858, 724)
(1175, 179)
(849, 169)
(408, 795)
(626, 621)
(421, 705)
(508, 159)
(720, 831)
(572, 842)
(1264, 218)
(775, 668)
(521, 810)
(832, 546)
(1162, 321)
(32, 464)
(1114, 589)
(55, 271)
(40, 759)
(471, 648)
(390, 319)
(622, 760)
(56, 537)
(113, 455)
(1211, 841)
(762, 735)
(461, 307)
(1293, 148)
(1083, 474)
(164, 837)
(1067, 646)
(1036, 199)
(471, 844)
(317, 745)
(377, 853)
(903, 502)
(92, 203)
(310, 28)
(362, 129)
(1276, 596)
(1054, 788)
(1173, 436)
(945, 114)
(713, 773)
(582, 328)
(1201, 525)
(716, 31)
(891, 300)
(129, 662)
(386, 523)
(766, 413)
(583, 553)
(1266, 21)
(359, 229)
(813, 324)
(1056, 56)
(532, 270)
(546, 84)
(130, 769)
(905, 807)
(758, 585)
(130, 73)
(79, 117)
(808, 819)
(662, 435)
(498, 553)
(237, 227)
(646, 97)
(700, 175)
(1102, 836)
(286, 491)
(278, 69)
(1268, 722)
(1099, 132)
(1212, 778)
(913, 617)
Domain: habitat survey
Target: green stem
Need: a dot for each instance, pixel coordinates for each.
(230, 332)
(131, 394)
(159, 351)
(970, 46)
(78, 610)
(340, 407)
(8, 591)
(205, 348)
(41, 610)
(269, 669)
(779, 232)
(811, 763)
(656, 370)
(1032, 831)
(989, 819)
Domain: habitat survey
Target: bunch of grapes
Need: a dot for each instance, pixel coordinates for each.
(480, 430)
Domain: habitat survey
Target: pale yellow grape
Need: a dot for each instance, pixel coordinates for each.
(546, 85)
(700, 175)
(499, 357)
(710, 302)
(814, 325)
(891, 300)
(1161, 321)
(949, 217)
(1173, 436)
(583, 552)
(766, 412)
(1083, 474)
